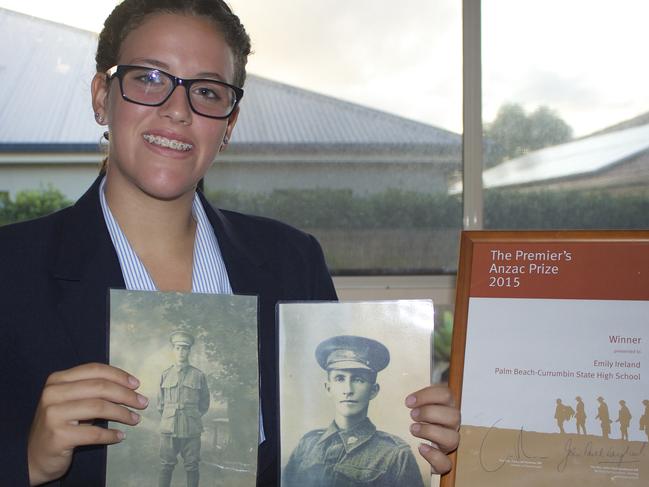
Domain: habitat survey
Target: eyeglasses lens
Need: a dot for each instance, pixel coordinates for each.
(152, 87)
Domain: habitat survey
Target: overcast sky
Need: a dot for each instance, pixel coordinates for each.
(582, 58)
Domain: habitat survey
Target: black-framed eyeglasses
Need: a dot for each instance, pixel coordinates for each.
(152, 87)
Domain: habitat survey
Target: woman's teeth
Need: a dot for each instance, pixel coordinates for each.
(169, 143)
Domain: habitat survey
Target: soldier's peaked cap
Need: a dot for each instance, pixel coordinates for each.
(182, 338)
(352, 352)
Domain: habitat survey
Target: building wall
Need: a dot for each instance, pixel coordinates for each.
(249, 172)
(361, 178)
(72, 180)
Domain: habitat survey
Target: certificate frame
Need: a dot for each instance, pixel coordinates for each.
(471, 279)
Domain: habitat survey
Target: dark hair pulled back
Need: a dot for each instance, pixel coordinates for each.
(130, 14)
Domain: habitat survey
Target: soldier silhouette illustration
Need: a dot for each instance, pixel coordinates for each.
(351, 451)
(644, 420)
(563, 413)
(603, 416)
(183, 399)
(624, 418)
(580, 416)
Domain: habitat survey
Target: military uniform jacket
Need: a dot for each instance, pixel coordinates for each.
(55, 273)
(183, 399)
(358, 456)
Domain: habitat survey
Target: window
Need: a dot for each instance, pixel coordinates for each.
(351, 129)
(566, 115)
(352, 124)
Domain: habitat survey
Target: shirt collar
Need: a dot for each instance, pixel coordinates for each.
(209, 274)
(353, 437)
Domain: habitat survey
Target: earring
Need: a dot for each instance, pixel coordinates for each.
(99, 118)
(226, 141)
(106, 135)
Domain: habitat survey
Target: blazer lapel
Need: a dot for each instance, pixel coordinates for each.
(244, 259)
(85, 268)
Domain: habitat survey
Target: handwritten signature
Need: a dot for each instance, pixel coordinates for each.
(518, 452)
(616, 457)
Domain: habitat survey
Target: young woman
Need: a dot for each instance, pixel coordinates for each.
(168, 83)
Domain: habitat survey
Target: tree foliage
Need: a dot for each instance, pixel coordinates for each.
(513, 132)
(31, 203)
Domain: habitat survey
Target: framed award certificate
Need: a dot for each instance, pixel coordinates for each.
(550, 359)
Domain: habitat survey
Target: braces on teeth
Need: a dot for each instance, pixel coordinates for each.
(164, 142)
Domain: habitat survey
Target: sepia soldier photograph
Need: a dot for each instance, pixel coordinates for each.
(351, 451)
(201, 426)
(183, 400)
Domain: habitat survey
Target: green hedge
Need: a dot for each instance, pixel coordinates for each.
(328, 208)
(558, 210)
(393, 209)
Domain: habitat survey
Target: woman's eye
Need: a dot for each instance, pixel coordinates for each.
(207, 93)
(149, 78)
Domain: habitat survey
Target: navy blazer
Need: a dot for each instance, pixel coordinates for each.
(54, 276)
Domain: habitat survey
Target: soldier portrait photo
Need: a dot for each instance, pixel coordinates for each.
(196, 357)
(338, 392)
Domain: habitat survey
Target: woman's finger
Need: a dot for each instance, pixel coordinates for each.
(92, 388)
(435, 394)
(94, 371)
(81, 435)
(439, 462)
(446, 416)
(443, 438)
(74, 412)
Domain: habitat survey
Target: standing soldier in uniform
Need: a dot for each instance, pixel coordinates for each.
(563, 413)
(351, 451)
(603, 416)
(182, 401)
(624, 418)
(644, 419)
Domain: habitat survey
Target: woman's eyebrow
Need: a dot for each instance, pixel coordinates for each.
(152, 62)
(166, 67)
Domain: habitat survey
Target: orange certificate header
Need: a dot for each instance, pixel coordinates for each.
(561, 270)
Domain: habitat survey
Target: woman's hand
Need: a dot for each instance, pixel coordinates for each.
(71, 400)
(438, 421)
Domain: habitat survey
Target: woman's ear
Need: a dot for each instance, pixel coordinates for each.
(99, 90)
(232, 121)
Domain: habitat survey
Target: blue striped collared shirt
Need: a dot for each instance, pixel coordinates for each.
(209, 274)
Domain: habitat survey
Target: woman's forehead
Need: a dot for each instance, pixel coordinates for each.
(186, 45)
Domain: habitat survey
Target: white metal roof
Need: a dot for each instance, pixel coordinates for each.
(588, 155)
(45, 74)
(577, 158)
